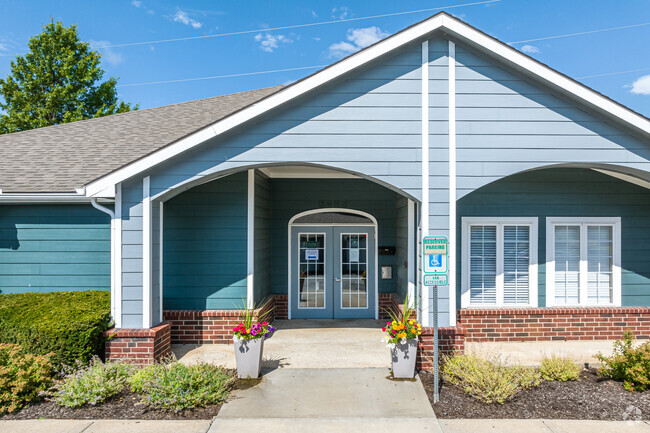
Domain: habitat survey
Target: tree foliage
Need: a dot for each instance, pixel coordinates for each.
(57, 81)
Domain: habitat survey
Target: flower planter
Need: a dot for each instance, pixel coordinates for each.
(403, 356)
(248, 356)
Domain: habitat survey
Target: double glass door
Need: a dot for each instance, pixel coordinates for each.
(332, 272)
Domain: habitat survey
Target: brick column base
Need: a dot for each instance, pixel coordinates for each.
(450, 340)
(139, 346)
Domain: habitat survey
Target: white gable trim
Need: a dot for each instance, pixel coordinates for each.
(440, 21)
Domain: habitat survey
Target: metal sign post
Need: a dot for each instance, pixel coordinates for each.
(434, 254)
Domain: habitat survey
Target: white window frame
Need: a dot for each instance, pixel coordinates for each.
(583, 222)
(499, 222)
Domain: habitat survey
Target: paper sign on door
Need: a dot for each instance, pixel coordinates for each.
(311, 254)
(354, 255)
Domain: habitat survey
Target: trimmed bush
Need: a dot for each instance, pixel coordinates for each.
(67, 325)
(91, 384)
(559, 368)
(176, 386)
(628, 364)
(489, 380)
(23, 377)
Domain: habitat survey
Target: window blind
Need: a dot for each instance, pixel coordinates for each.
(567, 264)
(599, 265)
(483, 264)
(516, 262)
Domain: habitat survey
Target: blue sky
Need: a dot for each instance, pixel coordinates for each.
(129, 21)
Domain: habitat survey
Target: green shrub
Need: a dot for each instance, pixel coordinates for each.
(559, 368)
(23, 377)
(69, 325)
(489, 380)
(628, 364)
(176, 386)
(91, 384)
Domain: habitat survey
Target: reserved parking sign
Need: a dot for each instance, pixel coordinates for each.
(434, 252)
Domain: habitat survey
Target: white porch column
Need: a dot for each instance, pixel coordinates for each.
(146, 254)
(425, 302)
(250, 247)
(451, 242)
(117, 255)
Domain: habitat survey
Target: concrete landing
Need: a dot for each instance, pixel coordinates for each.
(306, 344)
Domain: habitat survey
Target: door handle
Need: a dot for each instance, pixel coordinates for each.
(338, 280)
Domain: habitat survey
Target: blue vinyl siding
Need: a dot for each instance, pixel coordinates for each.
(292, 196)
(572, 193)
(262, 242)
(47, 248)
(204, 246)
(400, 272)
(368, 122)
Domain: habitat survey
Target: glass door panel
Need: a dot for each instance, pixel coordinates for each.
(311, 270)
(354, 270)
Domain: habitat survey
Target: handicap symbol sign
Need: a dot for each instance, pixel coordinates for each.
(435, 260)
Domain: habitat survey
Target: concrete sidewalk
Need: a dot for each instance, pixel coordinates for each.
(325, 425)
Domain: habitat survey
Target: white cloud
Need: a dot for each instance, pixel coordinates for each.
(183, 18)
(530, 49)
(641, 86)
(314, 14)
(108, 54)
(340, 13)
(357, 39)
(140, 5)
(269, 42)
(4, 47)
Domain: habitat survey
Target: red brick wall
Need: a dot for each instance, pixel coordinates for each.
(387, 301)
(281, 311)
(450, 340)
(140, 346)
(544, 324)
(209, 326)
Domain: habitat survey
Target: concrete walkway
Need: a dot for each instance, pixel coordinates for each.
(328, 400)
(306, 344)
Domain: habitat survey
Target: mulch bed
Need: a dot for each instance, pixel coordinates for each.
(122, 406)
(591, 397)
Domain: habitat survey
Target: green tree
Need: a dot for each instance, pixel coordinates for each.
(58, 81)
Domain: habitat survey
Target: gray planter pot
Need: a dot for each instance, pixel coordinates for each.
(403, 356)
(248, 356)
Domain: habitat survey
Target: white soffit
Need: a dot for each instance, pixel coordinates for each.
(625, 177)
(305, 172)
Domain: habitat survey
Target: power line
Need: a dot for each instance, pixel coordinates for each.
(581, 33)
(221, 76)
(244, 74)
(243, 32)
(613, 73)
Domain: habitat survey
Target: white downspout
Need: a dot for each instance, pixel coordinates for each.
(93, 202)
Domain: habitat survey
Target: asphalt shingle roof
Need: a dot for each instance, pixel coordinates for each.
(62, 157)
